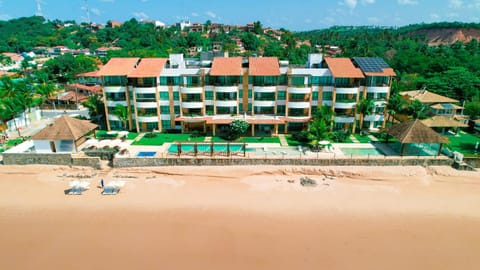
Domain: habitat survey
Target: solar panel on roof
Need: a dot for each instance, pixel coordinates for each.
(371, 64)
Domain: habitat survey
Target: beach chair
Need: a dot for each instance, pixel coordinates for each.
(110, 190)
(75, 190)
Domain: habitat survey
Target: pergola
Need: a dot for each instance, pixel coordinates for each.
(415, 131)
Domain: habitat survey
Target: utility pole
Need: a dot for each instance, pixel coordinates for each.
(88, 14)
(39, 8)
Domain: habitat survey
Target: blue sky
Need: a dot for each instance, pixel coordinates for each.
(290, 14)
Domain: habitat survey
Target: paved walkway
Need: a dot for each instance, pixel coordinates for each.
(373, 138)
(208, 139)
(354, 139)
(283, 140)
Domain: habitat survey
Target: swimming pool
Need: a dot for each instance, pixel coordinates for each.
(361, 151)
(146, 154)
(206, 148)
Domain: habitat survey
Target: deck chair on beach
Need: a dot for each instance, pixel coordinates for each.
(110, 190)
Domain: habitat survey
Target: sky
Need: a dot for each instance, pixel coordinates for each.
(295, 15)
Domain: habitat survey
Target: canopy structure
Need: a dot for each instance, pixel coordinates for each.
(442, 122)
(415, 132)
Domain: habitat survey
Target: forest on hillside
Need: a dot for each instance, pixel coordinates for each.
(451, 70)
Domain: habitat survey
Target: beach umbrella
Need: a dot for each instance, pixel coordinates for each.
(323, 142)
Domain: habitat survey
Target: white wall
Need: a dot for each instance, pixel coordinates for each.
(42, 146)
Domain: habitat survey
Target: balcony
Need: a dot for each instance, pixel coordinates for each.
(343, 119)
(299, 90)
(192, 104)
(264, 103)
(111, 103)
(264, 89)
(345, 103)
(378, 89)
(145, 90)
(373, 117)
(114, 89)
(191, 90)
(146, 104)
(113, 117)
(226, 103)
(347, 90)
(147, 119)
(226, 89)
(298, 104)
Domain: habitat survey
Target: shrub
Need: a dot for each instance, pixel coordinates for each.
(301, 136)
(150, 135)
(340, 136)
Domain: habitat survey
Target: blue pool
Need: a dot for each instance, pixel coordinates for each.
(146, 154)
(361, 151)
(206, 148)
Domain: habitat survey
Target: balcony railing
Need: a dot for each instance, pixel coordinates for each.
(346, 100)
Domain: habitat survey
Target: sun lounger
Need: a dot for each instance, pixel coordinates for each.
(110, 190)
(75, 190)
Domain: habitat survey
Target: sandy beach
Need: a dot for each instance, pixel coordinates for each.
(241, 218)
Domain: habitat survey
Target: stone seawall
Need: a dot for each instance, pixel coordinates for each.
(474, 162)
(65, 159)
(148, 162)
(36, 158)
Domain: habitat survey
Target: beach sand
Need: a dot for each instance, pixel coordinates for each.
(241, 218)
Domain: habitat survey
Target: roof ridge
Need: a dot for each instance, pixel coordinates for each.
(70, 128)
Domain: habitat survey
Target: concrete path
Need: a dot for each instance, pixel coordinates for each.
(283, 140)
(354, 139)
(208, 139)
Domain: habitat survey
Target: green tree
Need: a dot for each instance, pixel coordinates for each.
(416, 109)
(395, 105)
(236, 129)
(122, 113)
(96, 109)
(365, 107)
(45, 91)
(472, 109)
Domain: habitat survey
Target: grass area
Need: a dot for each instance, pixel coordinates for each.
(102, 134)
(10, 143)
(162, 138)
(258, 140)
(292, 142)
(362, 138)
(463, 143)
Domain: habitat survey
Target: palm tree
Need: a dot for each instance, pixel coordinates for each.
(45, 91)
(395, 105)
(416, 109)
(96, 108)
(365, 107)
(122, 113)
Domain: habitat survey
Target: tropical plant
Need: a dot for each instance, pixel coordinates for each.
(395, 105)
(365, 107)
(416, 110)
(472, 109)
(96, 109)
(45, 91)
(236, 129)
(121, 112)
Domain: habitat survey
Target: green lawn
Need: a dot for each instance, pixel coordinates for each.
(463, 143)
(103, 134)
(9, 144)
(162, 138)
(258, 140)
(292, 142)
(362, 139)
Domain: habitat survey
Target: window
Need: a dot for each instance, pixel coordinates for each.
(281, 95)
(314, 95)
(209, 109)
(176, 96)
(281, 109)
(176, 109)
(298, 80)
(327, 96)
(163, 95)
(209, 95)
(163, 81)
(114, 80)
(164, 109)
(166, 124)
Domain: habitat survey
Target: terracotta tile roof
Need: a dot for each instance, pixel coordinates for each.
(386, 72)
(226, 66)
(425, 96)
(343, 68)
(70, 96)
(149, 67)
(118, 67)
(89, 74)
(415, 132)
(6, 73)
(65, 128)
(263, 66)
(96, 89)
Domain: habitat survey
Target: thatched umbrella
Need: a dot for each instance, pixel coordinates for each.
(415, 132)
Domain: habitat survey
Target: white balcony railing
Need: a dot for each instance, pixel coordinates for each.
(347, 90)
(147, 119)
(264, 89)
(192, 105)
(226, 89)
(226, 103)
(191, 90)
(115, 103)
(299, 90)
(263, 103)
(145, 90)
(114, 89)
(146, 104)
(298, 105)
(345, 105)
(378, 89)
(343, 119)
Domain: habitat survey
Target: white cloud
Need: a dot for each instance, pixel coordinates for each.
(140, 15)
(143, 1)
(373, 20)
(5, 17)
(96, 11)
(211, 14)
(368, 2)
(194, 14)
(455, 4)
(408, 2)
(350, 3)
(107, 1)
(434, 17)
(453, 15)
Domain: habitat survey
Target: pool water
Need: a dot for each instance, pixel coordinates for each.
(146, 154)
(361, 151)
(206, 148)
